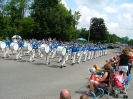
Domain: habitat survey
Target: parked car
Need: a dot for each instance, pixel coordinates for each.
(116, 45)
(111, 45)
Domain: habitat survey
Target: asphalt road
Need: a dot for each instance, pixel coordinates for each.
(24, 80)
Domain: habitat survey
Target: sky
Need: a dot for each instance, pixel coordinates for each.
(117, 14)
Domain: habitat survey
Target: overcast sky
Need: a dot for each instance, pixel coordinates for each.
(117, 14)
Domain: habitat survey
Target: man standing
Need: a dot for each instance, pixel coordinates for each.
(6, 50)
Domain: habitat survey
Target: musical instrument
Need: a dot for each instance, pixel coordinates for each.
(27, 47)
(14, 46)
(44, 48)
(2, 44)
(61, 50)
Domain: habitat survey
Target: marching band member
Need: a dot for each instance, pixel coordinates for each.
(47, 55)
(89, 52)
(14, 40)
(74, 51)
(65, 57)
(39, 52)
(101, 51)
(6, 50)
(20, 44)
(28, 41)
(68, 47)
(95, 51)
(80, 53)
(98, 51)
(85, 52)
(60, 56)
(35, 47)
(53, 50)
(92, 52)
(51, 47)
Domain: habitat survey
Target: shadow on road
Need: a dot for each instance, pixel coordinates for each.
(81, 92)
(8, 58)
(21, 60)
(54, 66)
(39, 64)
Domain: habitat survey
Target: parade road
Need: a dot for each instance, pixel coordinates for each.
(23, 80)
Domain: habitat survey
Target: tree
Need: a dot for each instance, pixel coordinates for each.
(130, 42)
(26, 27)
(83, 32)
(48, 23)
(97, 29)
(125, 39)
(14, 13)
(76, 17)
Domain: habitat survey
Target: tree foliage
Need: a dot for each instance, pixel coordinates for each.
(52, 20)
(97, 29)
(48, 18)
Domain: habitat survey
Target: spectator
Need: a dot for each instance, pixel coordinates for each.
(65, 94)
(83, 97)
(101, 81)
(124, 59)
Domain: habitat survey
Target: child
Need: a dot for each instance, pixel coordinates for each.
(83, 97)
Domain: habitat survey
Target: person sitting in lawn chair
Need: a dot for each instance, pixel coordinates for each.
(96, 80)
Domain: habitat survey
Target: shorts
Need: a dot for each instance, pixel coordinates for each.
(123, 68)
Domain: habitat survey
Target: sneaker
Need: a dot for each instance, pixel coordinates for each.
(73, 63)
(88, 93)
(33, 60)
(64, 65)
(78, 62)
(88, 86)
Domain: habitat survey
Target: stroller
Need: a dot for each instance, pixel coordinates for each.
(117, 83)
(100, 89)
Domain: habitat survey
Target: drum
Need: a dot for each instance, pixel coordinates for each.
(61, 50)
(44, 48)
(27, 47)
(2, 44)
(14, 46)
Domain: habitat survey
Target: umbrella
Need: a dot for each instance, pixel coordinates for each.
(16, 36)
(81, 39)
